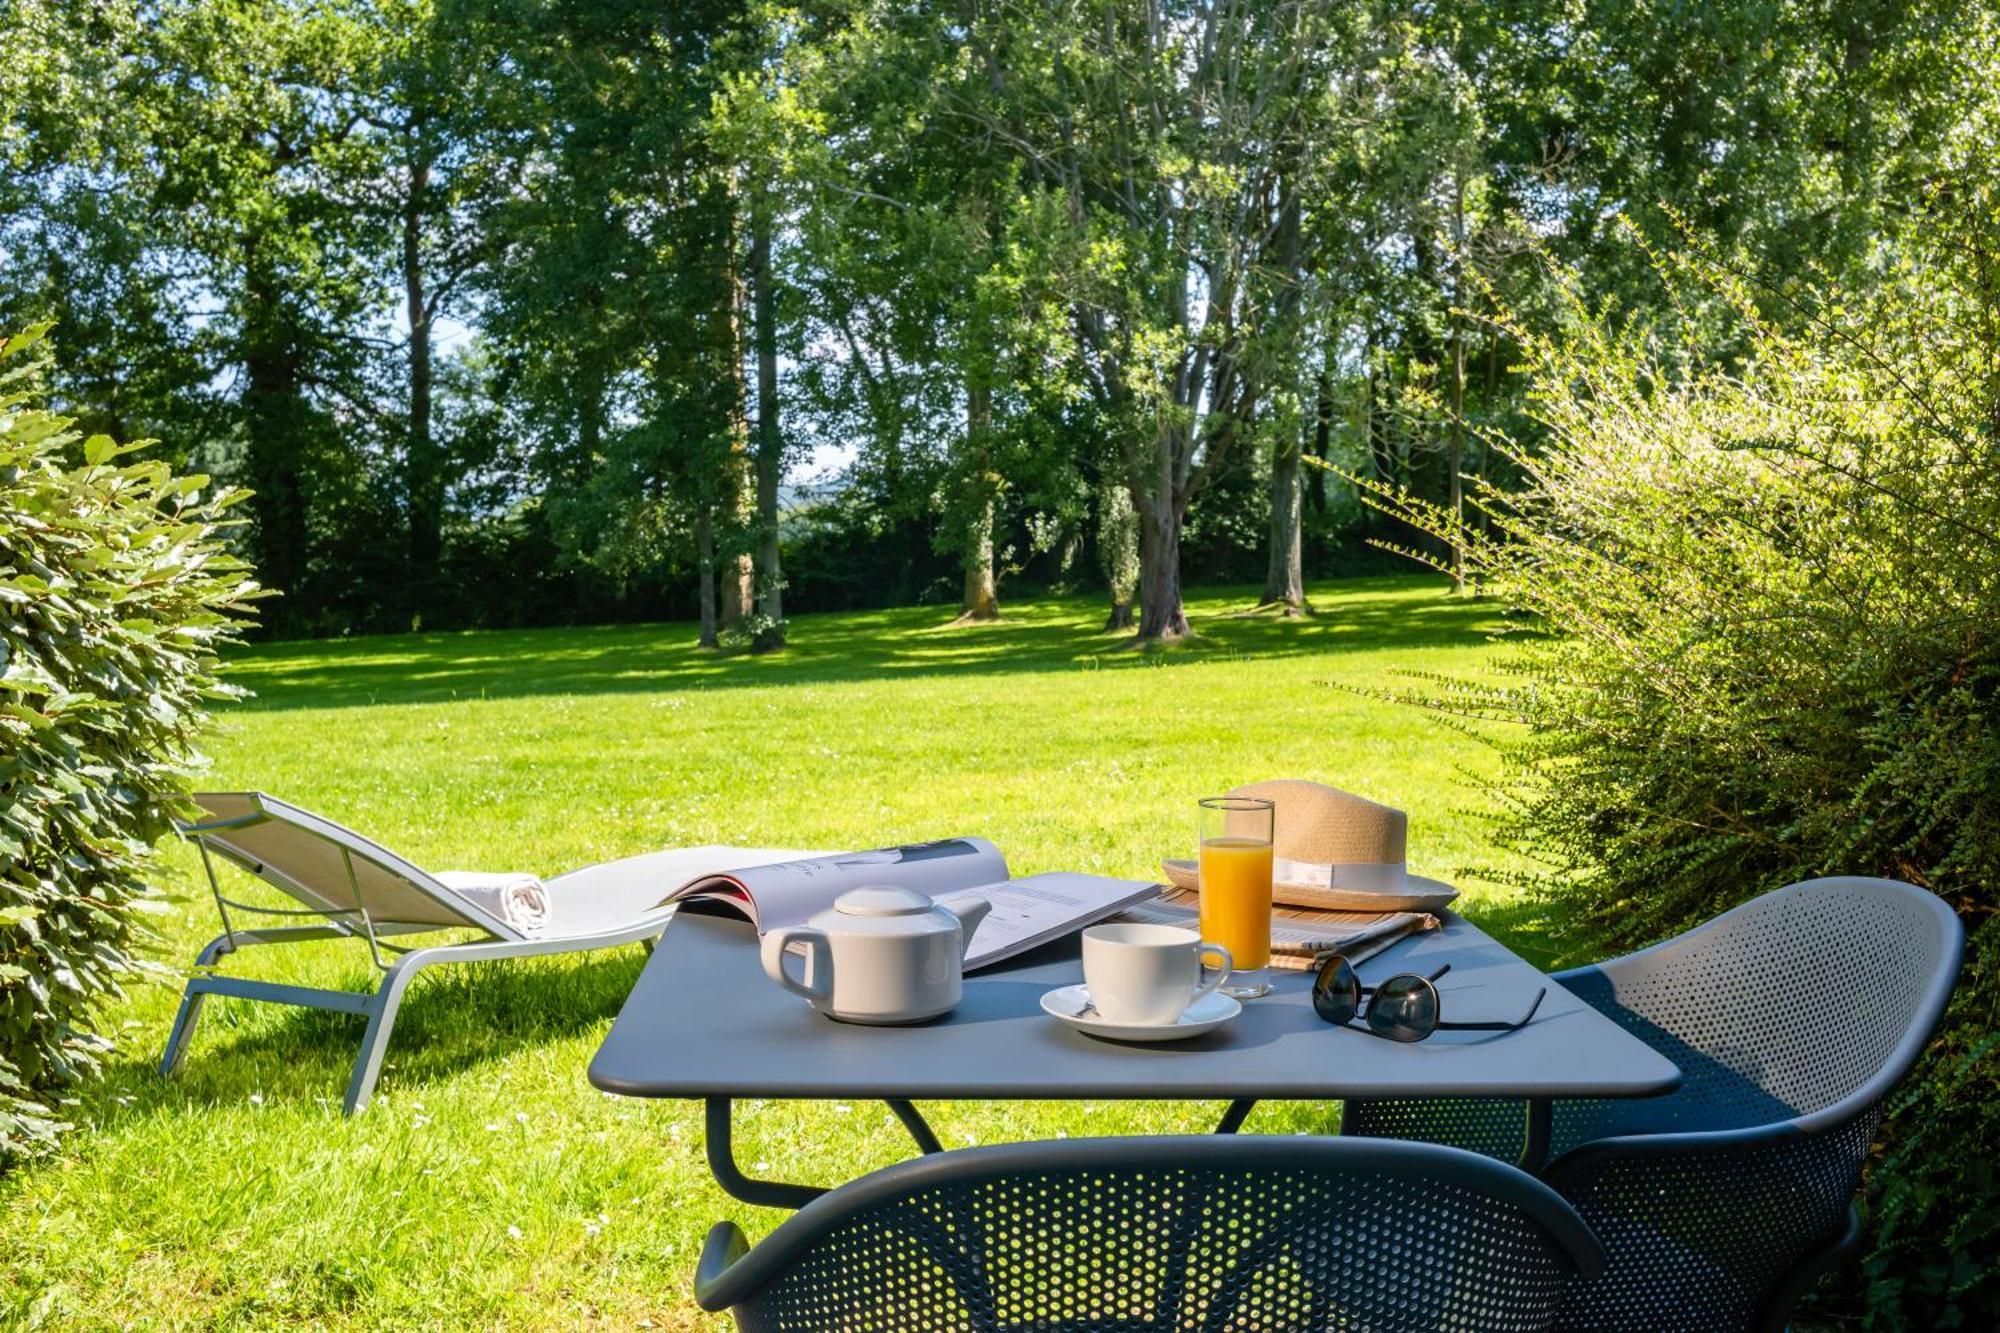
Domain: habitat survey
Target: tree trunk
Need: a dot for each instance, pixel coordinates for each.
(424, 469)
(1284, 581)
(704, 562)
(739, 571)
(1284, 576)
(739, 588)
(770, 440)
(982, 595)
(1118, 552)
(1322, 438)
(1491, 417)
(1455, 458)
(275, 424)
(1162, 619)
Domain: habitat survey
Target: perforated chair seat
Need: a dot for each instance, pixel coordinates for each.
(1192, 1235)
(1791, 1018)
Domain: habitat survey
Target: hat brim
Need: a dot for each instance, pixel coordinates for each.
(1418, 893)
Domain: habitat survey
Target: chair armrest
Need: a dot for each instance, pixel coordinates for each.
(726, 1244)
(1585, 1157)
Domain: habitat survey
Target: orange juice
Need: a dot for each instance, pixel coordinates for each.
(1236, 898)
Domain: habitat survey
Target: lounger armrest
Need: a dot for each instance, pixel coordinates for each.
(726, 1244)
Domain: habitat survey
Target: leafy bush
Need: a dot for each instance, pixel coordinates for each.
(1762, 596)
(115, 593)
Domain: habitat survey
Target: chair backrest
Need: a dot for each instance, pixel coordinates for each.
(1196, 1235)
(1791, 1018)
(1811, 1001)
(310, 858)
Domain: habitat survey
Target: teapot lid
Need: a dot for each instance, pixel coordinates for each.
(882, 900)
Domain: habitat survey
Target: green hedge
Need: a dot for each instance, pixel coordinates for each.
(1760, 599)
(114, 594)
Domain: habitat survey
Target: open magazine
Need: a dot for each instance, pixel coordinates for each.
(1026, 912)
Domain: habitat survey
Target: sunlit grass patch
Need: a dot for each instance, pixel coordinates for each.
(489, 1184)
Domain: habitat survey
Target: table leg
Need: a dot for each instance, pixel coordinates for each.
(919, 1128)
(722, 1165)
(1232, 1119)
(1535, 1151)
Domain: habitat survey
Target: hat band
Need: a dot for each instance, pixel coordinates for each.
(1366, 876)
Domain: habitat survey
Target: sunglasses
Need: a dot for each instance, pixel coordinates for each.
(1403, 1008)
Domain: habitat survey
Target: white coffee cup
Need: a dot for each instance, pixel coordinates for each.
(1147, 974)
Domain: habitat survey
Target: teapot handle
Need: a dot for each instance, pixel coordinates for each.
(816, 982)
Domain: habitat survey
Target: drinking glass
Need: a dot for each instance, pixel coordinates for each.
(1236, 888)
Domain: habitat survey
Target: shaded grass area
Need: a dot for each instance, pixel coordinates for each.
(489, 1184)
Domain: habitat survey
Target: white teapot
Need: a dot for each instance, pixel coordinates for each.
(880, 955)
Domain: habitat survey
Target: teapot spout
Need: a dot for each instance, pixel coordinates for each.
(970, 911)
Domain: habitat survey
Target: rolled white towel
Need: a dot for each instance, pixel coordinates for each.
(521, 900)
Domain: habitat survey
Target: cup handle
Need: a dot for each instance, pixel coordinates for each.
(816, 981)
(1221, 974)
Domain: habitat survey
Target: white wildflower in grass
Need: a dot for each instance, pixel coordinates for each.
(513, 1233)
(520, 1117)
(492, 1127)
(256, 1099)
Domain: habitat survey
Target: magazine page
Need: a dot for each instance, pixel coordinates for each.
(787, 893)
(1032, 911)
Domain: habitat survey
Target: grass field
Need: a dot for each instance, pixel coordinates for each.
(489, 1184)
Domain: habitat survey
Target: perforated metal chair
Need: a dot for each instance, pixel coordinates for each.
(1193, 1235)
(1791, 1017)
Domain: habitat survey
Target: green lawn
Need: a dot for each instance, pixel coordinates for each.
(489, 1184)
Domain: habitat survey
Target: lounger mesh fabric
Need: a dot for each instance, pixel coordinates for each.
(315, 869)
(1791, 1018)
(1181, 1242)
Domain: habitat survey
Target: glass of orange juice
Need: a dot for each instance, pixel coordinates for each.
(1236, 888)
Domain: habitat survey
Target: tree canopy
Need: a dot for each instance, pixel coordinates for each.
(513, 312)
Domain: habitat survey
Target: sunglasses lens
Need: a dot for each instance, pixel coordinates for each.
(1405, 1008)
(1336, 990)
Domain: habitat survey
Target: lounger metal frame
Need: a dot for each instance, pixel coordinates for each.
(381, 1005)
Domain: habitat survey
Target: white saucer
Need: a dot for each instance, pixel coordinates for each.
(1204, 1015)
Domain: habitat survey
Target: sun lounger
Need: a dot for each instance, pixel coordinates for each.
(348, 886)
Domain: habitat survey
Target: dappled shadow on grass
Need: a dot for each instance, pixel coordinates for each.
(1376, 615)
(453, 1018)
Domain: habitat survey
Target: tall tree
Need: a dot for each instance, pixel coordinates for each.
(253, 112)
(433, 172)
(1158, 137)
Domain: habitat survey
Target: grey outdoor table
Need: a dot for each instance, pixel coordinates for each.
(705, 1022)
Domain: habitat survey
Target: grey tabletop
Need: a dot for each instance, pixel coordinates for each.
(704, 1021)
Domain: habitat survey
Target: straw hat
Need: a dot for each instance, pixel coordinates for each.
(1334, 850)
